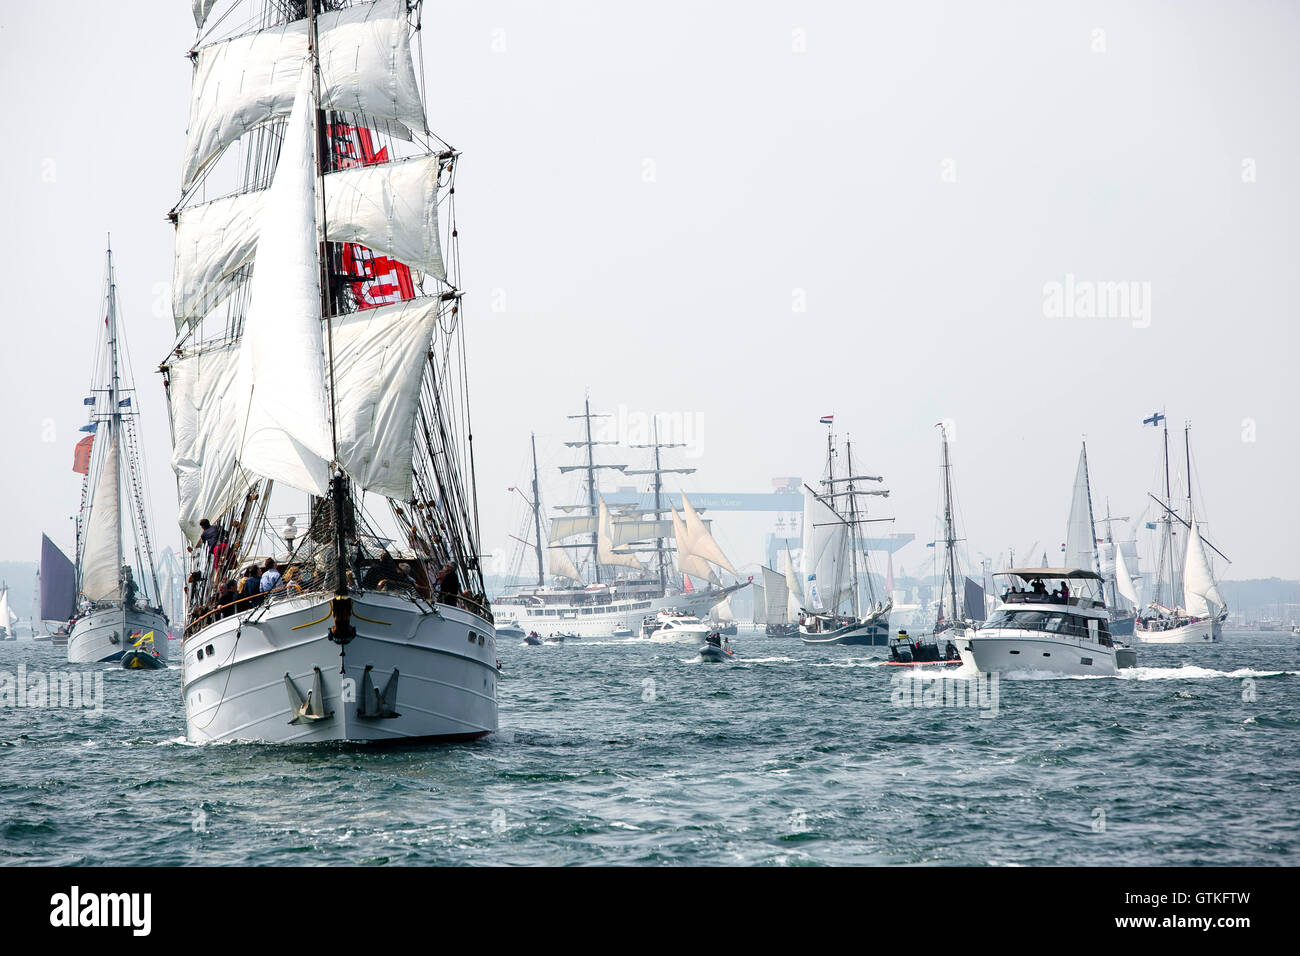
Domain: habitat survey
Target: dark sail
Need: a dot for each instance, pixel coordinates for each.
(974, 600)
(58, 583)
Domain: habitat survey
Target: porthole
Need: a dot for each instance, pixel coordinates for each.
(209, 650)
(200, 654)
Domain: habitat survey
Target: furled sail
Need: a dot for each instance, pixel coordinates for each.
(560, 565)
(379, 360)
(390, 208)
(58, 583)
(285, 434)
(1123, 581)
(1080, 536)
(605, 553)
(701, 540)
(101, 548)
(1201, 595)
(206, 415)
(241, 83)
(777, 596)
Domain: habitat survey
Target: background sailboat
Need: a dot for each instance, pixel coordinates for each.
(1187, 609)
(116, 585)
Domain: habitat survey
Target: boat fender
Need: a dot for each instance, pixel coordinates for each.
(114, 639)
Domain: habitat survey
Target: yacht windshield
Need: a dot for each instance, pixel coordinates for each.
(1053, 622)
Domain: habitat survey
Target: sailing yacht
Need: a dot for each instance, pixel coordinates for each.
(1199, 618)
(7, 617)
(836, 612)
(116, 584)
(618, 591)
(319, 367)
(956, 618)
(57, 588)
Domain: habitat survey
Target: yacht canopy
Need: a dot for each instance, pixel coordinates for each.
(1032, 574)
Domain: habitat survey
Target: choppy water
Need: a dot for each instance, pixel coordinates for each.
(625, 752)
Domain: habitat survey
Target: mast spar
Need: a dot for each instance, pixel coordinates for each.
(537, 515)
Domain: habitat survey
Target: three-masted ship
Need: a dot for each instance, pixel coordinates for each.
(1187, 609)
(116, 595)
(607, 570)
(319, 372)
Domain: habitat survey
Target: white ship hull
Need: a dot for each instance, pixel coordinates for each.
(1009, 649)
(679, 634)
(234, 674)
(604, 620)
(104, 634)
(1198, 632)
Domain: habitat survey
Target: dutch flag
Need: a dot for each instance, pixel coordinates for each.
(827, 419)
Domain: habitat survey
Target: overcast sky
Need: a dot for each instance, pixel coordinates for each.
(752, 214)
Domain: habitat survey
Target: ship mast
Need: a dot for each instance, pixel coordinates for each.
(949, 530)
(659, 471)
(537, 516)
(114, 411)
(320, 128)
(853, 530)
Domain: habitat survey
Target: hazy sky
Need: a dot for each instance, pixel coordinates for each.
(752, 214)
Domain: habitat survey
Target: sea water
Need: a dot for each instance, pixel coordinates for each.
(635, 752)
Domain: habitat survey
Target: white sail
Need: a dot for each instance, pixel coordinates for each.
(605, 553)
(560, 565)
(241, 83)
(5, 613)
(1201, 596)
(390, 208)
(101, 550)
(1080, 535)
(760, 604)
(625, 531)
(777, 597)
(687, 562)
(285, 434)
(206, 414)
(379, 360)
(570, 525)
(824, 555)
(1123, 582)
(792, 585)
(701, 540)
(201, 10)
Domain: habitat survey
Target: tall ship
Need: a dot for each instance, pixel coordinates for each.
(116, 585)
(834, 608)
(319, 375)
(1186, 606)
(959, 608)
(605, 571)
